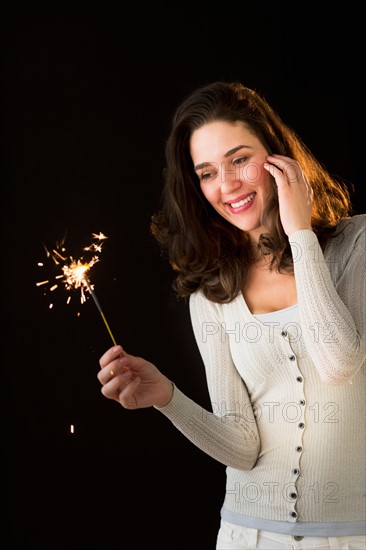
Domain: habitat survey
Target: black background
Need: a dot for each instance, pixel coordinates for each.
(86, 108)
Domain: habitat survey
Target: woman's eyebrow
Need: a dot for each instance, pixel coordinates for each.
(235, 149)
(227, 154)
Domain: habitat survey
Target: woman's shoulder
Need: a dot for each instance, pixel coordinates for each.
(202, 306)
(358, 220)
(198, 299)
(349, 239)
(199, 302)
(352, 227)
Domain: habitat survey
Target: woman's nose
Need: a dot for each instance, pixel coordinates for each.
(230, 179)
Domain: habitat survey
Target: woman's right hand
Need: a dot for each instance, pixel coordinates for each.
(132, 381)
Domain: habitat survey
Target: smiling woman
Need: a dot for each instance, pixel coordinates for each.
(215, 254)
(272, 262)
(232, 178)
(238, 185)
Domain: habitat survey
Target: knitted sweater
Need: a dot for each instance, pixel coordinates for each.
(288, 405)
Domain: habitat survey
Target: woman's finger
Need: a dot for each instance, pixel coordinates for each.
(115, 383)
(290, 168)
(110, 355)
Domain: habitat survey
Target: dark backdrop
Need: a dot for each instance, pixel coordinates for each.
(86, 108)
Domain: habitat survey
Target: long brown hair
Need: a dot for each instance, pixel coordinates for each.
(205, 250)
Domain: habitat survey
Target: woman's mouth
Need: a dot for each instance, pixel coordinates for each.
(241, 205)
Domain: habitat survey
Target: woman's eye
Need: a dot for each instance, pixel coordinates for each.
(205, 176)
(240, 160)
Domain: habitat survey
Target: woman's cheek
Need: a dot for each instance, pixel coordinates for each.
(252, 172)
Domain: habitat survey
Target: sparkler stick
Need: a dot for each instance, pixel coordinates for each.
(96, 301)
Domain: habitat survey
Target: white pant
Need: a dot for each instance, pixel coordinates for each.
(235, 537)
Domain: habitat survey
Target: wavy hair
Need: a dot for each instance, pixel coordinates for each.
(204, 249)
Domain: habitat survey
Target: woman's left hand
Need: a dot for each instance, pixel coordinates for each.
(295, 194)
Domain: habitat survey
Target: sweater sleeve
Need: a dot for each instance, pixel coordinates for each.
(229, 432)
(332, 315)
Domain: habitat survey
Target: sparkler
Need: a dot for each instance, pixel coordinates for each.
(74, 273)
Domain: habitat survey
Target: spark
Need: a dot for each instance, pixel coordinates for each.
(74, 273)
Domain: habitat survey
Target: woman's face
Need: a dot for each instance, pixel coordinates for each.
(228, 159)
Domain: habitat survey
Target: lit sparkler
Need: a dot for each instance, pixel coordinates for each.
(74, 273)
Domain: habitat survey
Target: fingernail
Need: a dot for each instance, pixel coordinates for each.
(126, 374)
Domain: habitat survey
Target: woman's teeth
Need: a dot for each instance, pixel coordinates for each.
(242, 202)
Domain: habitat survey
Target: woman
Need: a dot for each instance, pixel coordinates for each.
(265, 248)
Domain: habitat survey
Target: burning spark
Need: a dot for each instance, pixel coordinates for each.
(74, 273)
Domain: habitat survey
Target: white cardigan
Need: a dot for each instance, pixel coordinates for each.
(288, 406)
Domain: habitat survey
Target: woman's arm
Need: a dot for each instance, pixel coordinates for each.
(333, 315)
(229, 433)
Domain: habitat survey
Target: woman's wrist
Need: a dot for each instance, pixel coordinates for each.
(168, 395)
